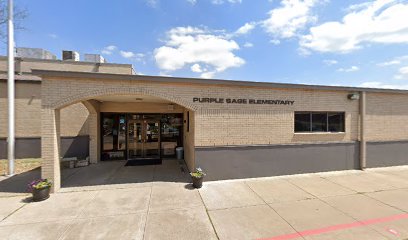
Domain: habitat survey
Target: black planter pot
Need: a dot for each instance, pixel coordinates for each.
(198, 182)
(41, 194)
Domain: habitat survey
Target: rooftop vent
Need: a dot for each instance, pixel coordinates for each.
(37, 53)
(70, 56)
(95, 58)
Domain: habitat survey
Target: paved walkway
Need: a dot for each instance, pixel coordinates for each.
(339, 205)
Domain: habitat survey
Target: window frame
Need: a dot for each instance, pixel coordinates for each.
(311, 122)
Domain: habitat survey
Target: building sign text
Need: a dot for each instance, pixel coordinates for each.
(244, 101)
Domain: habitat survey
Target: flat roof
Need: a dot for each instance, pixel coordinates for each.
(163, 79)
(59, 61)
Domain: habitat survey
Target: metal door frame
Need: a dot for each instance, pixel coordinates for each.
(144, 136)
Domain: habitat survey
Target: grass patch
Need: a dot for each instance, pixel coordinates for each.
(20, 165)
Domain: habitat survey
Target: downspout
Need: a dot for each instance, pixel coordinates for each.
(363, 145)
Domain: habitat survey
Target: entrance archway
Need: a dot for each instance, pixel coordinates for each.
(93, 100)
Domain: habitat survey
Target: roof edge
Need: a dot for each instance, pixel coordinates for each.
(59, 61)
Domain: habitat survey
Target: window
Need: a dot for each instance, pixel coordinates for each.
(336, 122)
(319, 122)
(113, 136)
(171, 134)
(302, 122)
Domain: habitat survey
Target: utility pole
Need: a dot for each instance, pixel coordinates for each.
(11, 91)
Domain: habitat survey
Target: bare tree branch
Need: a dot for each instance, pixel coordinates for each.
(19, 15)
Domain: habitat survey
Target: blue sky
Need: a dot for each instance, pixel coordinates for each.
(355, 43)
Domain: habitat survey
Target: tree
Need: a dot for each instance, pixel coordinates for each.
(19, 15)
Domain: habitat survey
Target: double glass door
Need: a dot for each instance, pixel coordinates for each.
(143, 139)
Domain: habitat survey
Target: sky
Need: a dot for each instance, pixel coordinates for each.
(326, 42)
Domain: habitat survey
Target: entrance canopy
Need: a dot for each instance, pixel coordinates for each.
(127, 121)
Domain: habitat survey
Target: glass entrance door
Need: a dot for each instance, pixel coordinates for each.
(135, 139)
(143, 139)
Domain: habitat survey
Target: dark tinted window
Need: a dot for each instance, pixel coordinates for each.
(302, 122)
(108, 126)
(113, 136)
(171, 134)
(319, 122)
(336, 122)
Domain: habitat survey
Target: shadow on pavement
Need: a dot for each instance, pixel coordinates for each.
(103, 173)
(115, 172)
(18, 183)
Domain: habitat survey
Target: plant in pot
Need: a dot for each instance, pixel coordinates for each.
(40, 189)
(197, 177)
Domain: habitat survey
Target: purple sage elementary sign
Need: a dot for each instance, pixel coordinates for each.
(244, 101)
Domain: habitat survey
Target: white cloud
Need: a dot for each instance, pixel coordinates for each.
(395, 61)
(383, 85)
(246, 28)
(193, 2)
(127, 54)
(196, 68)
(53, 35)
(224, 1)
(152, 3)
(358, 6)
(275, 41)
(404, 70)
(109, 50)
(208, 74)
(402, 73)
(248, 45)
(292, 16)
(330, 62)
(389, 63)
(132, 56)
(190, 45)
(350, 69)
(380, 21)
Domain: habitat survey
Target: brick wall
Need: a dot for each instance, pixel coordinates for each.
(28, 113)
(387, 117)
(229, 124)
(223, 124)
(28, 110)
(218, 124)
(139, 107)
(25, 65)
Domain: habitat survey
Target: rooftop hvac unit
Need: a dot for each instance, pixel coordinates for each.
(70, 56)
(37, 53)
(95, 58)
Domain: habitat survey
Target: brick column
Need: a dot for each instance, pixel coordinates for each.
(50, 146)
(94, 129)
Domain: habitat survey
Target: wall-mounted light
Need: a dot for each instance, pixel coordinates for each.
(353, 96)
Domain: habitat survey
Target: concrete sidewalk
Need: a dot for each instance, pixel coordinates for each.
(339, 205)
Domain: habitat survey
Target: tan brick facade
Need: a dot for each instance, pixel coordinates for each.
(240, 123)
(28, 113)
(387, 117)
(213, 124)
(28, 97)
(270, 124)
(51, 146)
